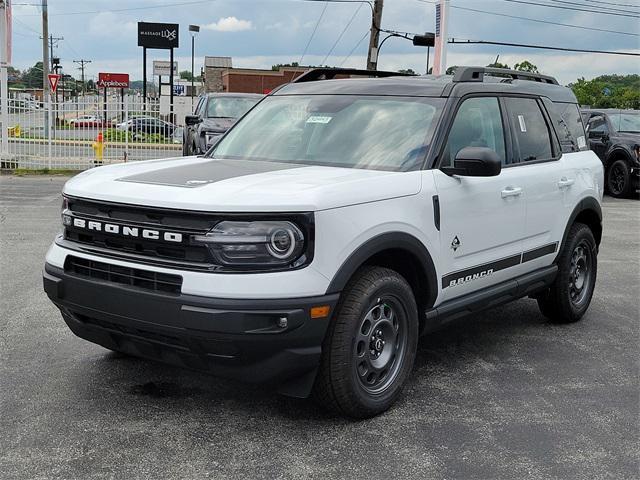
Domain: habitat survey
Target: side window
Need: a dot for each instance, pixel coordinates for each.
(530, 129)
(200, 107)
(570, 127)
(597, 126)
(478, 123)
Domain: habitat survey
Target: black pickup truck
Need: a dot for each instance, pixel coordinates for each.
(614, 135)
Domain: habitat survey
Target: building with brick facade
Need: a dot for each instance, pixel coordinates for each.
(220, 76)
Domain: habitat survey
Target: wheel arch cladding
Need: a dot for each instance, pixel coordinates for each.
(398, 251)
(589, 212)
(619, 152)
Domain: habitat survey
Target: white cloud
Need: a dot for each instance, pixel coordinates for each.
(229, 24)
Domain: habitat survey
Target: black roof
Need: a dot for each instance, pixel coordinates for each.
(427, 86)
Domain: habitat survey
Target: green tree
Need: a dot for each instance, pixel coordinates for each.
(608, 91)
(277, 66)
(408, 71)
(497, 64)
(32, 77)
(526, 66)
(186, 75)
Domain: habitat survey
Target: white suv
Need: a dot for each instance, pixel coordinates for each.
(337, 221)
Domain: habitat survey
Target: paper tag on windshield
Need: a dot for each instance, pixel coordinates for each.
(523, 126)
(318, 119)
(582, 142)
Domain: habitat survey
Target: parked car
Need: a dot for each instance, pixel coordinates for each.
(214, 114)
(86, 121)
(151, 126)
(335, 223)
(614, 135)
(125, 125)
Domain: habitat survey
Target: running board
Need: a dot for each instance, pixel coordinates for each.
(505, 292)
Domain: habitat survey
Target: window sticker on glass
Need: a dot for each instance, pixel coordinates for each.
(318, 119)
(582, 142)
(523, 126)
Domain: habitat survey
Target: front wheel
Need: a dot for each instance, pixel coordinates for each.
(569, 297)
(370, 346)
(619, 179)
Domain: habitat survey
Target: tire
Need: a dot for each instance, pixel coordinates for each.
(619, 179)
(370, 346)
(569, 296)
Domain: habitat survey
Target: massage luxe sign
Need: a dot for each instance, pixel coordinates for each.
(158, 35)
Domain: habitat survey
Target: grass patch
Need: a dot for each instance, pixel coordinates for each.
(20, 172)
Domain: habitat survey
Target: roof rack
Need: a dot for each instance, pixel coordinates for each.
(329, 73)
(476, 74)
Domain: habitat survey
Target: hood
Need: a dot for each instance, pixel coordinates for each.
(219, 124)
(196, 183)
(630, 138)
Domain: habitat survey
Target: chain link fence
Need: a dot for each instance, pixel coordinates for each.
(85, 132)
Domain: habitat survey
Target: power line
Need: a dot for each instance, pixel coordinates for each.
(341, 33)
(617, 4)
(611, 9)
(354, 48)
(573, 9)
(546, 21)
(541, 47)
(324, 9)
(87, 12)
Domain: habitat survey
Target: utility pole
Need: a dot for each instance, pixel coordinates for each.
(46, 93)
(53, 39)
(376, 20)
(82, 62)
(4, 83)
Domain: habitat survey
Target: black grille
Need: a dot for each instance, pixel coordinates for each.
(186, 223)
(134, 277)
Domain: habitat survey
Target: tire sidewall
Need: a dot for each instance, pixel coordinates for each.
(582, 233)
(391, 286)
(627, 178)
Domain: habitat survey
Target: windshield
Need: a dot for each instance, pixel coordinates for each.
(229, 107)
(385, 133)
(626, 122)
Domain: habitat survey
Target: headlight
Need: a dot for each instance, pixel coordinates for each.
(66, 219)
(261, 244)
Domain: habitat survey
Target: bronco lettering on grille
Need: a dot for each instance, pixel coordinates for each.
(127, 231)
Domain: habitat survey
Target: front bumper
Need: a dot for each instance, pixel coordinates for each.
(233, 338)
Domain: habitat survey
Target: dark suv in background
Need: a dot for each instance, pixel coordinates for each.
(614, 135)
(213, 115)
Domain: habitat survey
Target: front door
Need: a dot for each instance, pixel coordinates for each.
(598, 132)
(482, 219)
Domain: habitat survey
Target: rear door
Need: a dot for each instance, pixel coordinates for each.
(482, 218)
(545, 176)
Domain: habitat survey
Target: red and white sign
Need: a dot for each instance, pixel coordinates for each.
(54, 79)
(113, 80)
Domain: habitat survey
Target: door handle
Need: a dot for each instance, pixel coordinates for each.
(511, 192)
(565, 182)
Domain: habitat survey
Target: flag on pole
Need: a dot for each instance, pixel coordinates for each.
(442, 18)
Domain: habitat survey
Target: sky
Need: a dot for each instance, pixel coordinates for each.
(261, 33)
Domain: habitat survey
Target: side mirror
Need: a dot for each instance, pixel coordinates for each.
(192, 120)
(475, 162)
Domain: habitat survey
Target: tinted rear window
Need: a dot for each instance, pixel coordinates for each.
(570, 128)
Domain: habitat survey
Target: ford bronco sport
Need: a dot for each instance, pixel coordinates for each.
(335, 223)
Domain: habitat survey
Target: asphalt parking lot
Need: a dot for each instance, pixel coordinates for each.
(503, 394)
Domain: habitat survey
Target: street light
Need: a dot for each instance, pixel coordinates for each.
(193, 30)
(426, 40)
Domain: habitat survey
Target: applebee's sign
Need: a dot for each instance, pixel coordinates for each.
(113, 80)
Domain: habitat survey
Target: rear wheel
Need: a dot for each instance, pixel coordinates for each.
(370, 346)
(569, 297)
(619, 179)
